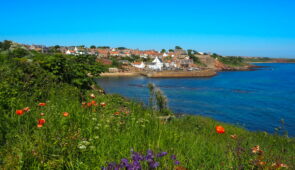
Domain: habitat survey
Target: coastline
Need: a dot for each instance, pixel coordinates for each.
(163, 74)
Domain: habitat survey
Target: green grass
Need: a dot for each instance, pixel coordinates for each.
(91, 137)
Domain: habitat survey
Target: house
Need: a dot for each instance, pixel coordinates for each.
(170, 64)
(114, 53)
(156, 64)
(70, 52)
(124, 62)
(139, 65)
(102, 53)
(113, 70)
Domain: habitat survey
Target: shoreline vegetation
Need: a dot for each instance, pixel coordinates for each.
(53, 116)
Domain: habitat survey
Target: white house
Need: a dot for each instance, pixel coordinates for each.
(140, 65)
(165, 55)
(156, 64)
(170, 65)
(69, 52)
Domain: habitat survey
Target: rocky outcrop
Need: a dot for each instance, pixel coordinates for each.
(219, 66)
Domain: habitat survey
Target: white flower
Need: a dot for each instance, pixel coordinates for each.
(82, 147)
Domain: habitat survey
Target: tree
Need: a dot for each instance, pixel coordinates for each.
(178, 48)
(163, 51)
(5, 45)
(190, 52)
(103, 47)
(121, 48)
(93, 47)
(170, 50)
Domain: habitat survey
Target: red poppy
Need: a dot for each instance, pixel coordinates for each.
(39, 125)
(219, 129)
(93, 102)
(102, 104)
(42, 104)
(42, 114)
(26, 109)
(66, 114)
(89, 104)
(41, 121)
(19, 112)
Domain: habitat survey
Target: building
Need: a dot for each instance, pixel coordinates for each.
(139, 65)
(156, 64)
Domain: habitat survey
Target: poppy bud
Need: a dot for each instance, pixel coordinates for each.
(26, 109)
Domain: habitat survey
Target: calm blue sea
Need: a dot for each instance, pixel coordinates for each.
(256, 100)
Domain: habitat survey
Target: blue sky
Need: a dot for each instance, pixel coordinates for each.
(227, 27)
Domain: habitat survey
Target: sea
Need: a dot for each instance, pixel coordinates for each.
(259, 100)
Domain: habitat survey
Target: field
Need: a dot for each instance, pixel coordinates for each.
(52, 119)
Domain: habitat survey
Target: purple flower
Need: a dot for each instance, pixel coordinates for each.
(154, 164)
(176, 162)
(173, 157)
(161, 154)
(125, 163)
(136, 156)
(149, 156)
(136, 165)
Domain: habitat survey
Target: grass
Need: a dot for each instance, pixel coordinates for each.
(92, 137)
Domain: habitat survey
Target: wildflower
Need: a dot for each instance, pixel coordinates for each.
(117, 113)
(39, 125)
(219, 129)
(256, 149)
(102, 104)
(93, 102)
(84, 142)
(84, 104)
(92, 95)
(260, 163)
(161, 154)
(19, 112)
(180, 168)
(42, 114)
(173, 157)
(66, 114)
(89, 104)
(234, 136)
(26, 109)
(279, 165)
(41, 121)
(176, 162)
(82, 147)
(42, 104)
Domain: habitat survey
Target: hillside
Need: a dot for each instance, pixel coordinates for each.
(53, 117)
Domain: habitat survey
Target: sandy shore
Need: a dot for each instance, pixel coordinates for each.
(163, 74)
(121, 74)
(175, 74)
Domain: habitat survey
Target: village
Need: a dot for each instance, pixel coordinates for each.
(122, 59)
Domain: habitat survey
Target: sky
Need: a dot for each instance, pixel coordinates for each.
(228, 27)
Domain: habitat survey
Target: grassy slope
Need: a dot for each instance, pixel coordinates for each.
(108, 137)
